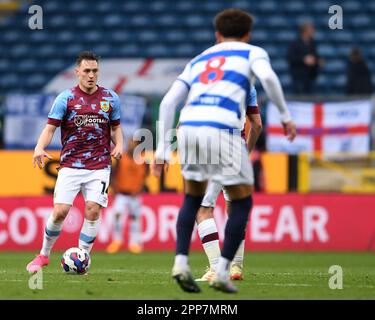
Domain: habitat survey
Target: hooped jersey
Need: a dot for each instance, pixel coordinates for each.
(220, 83)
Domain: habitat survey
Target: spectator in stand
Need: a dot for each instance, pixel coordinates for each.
(304, 60)
(358, 76)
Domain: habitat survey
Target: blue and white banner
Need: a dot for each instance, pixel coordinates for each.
(26, 116)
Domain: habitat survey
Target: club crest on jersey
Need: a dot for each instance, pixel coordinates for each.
(104, 105)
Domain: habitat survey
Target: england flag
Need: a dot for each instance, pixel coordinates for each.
(322, 128)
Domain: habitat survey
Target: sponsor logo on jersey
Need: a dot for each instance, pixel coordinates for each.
(104, 105)
(89, 120)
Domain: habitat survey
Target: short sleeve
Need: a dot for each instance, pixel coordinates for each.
(58, 109)
(116, 109)
(252, 98)
(252, 103)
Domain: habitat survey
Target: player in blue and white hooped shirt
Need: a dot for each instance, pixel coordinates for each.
(216, 85)
(207, 229)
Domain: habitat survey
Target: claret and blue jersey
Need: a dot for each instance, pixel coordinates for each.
(85, 121)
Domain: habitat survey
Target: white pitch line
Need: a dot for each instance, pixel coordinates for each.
(254, 284)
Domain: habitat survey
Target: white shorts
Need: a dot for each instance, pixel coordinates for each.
(208, 153)
(212, 192)
(93, 184)
(127, 203)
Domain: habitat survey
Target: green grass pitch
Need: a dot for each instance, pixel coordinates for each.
(282, 275)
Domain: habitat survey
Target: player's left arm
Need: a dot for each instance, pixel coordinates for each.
(116, 130)
(118, 140)
(263, 71)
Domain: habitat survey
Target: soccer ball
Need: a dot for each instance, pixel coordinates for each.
(76, 261)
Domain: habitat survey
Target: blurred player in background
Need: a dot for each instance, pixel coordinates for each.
(89, 116)
(128, 182)
(207, 228)
(215, 86)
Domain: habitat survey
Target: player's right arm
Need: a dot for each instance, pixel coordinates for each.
(176, 95)
(44, 140)
(55, 116)
(261, 67)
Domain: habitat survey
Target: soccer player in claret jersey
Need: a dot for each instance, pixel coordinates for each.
(89, 117)
(215, 86)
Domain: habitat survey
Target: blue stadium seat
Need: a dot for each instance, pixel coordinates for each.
(72, 50)
(359, 21)
(293, 7)
(54, 65)
(334, 66)
(103, 50)
(19, 50)
(260, 36)
(59, 21)
(159, 6)
(148, 36)
(120, 36)
(65, 36)
(11, 80)
(267, 5)
(213, 6)
(202, 36)
(185, 50)
(196, 20)
(321, 6)
(184, 6)
(35, 80)
(280, 65)
(84, 21)
(340, 36)
(53, 7)
(174, 35)
(40, 36)
(12, 36)
(167, 20)
(326, 50)
(140, 20)
(285, 36)
(157, 50)
(243, 4)
(130, 50)
(368, 36)
(5, 66)
(351, 6)
(77, 6)
(26, 65)
(46, 50)
(133, 6)
(277, 22)
(166, 28)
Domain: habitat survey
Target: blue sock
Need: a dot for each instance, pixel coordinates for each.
(186, 221)
(236, 226)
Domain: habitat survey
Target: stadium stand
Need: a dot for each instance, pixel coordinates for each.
(170, 29)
